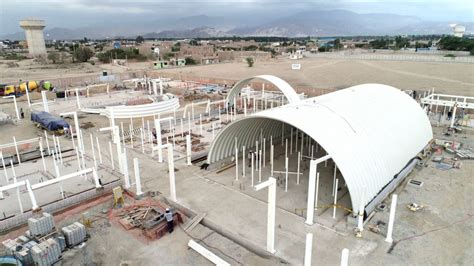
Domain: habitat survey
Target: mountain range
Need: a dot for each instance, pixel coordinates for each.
(318, 23)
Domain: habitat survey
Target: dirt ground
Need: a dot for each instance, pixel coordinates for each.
(451, 78)
(320, 73)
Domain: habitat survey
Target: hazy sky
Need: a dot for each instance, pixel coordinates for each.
(79, 13)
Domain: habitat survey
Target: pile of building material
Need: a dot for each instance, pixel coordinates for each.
(465, 153)
(74, 234)
(140, 216)
(46, 253)
(42, 244)
(42, 225)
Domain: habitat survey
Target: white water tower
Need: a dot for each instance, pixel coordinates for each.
(458, 30)
(34, 35)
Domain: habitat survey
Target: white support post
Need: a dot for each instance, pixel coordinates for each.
(453, 118)
(77, 99)
(317, 191)
(334, 179)
(17, 188)
(188, 149)
(34, 204)
(111, 156)
(237, 163)
(4, 168)
(391, 220)
(207, 254)
(45, 101)
(142, 137)
(59, 150)
(311, 192)
(345, 257)
(260, 166)
(16, 149)
(98, 148)
(126, 174)
(286, 174)
(200, 124)
(136, 169)
(271, 160)
(335, 200)
(28, 97)
(93, 151)
(308, 249)
(42, 156)
(264, 152)
(271, 184)
(243, 161)
(171, 171)
(291, 141)
(252, 167)
(78, 159)
(158, 139)
(298, 169)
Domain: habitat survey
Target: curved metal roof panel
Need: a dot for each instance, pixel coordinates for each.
(371, 131)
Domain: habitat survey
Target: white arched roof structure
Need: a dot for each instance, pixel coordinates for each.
(372, 132)
(282, 85)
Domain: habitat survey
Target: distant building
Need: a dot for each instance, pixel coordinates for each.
(458, 30)
(161, 64)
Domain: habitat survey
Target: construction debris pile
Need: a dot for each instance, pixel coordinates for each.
(42, 244)
(147, 217)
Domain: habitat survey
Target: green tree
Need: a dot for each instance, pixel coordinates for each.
(250, 61)
(82, 54)
(190, 61)
(54, 57)
(139, 39)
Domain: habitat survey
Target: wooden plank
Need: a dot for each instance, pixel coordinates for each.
(195, 221)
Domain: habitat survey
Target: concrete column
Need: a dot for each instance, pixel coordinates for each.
(271, 184)
(260, 166)
(243, 161)
(317, 191)
(137, 176)
(188, 149)
(158, 138)
(17, 188)
(252, 167)
(16, 149)
(42, 156)
(311, 192)
(345, 257)
(298, 169)
(98, 148)
(391, 220)
(453, 118)
(171, 172)
(271, 159)
(335, 200)
(125, 170)
(308, 249)
(4, 168)
(111, 156)
(45, 101)
(286, 174)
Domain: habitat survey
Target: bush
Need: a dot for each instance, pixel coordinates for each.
(190, 61)
(82, 54)
(450, 55)
(119, 53)
(250, 61)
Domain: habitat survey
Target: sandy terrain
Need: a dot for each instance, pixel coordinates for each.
(321, 73)
(453, 78)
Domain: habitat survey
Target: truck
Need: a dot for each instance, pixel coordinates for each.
(54, 124)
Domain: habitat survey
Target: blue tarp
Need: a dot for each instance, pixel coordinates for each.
(49, 121)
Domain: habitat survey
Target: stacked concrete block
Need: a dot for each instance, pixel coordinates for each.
(42, 225)
(74, 233)
(46, 253)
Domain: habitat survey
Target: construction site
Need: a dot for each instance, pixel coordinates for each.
(257, 170)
